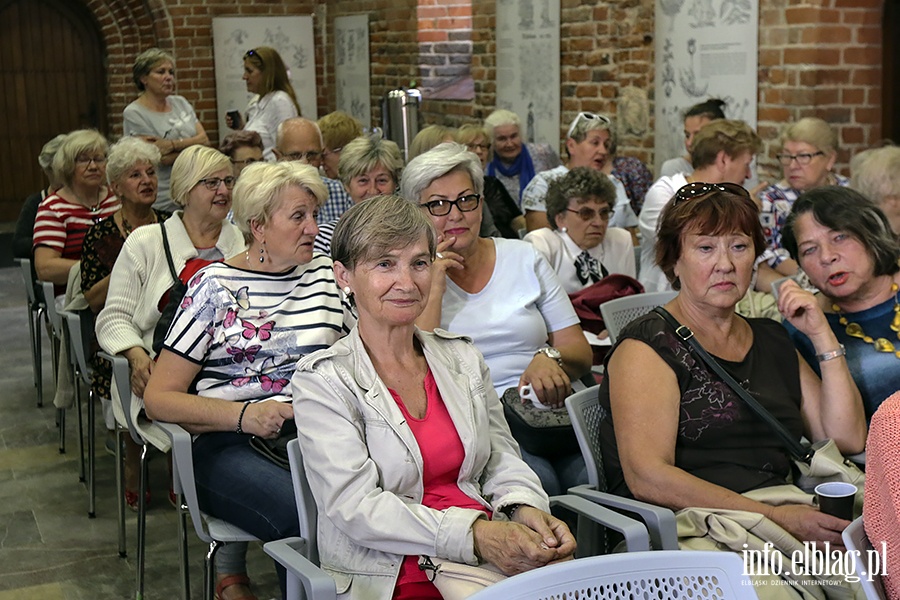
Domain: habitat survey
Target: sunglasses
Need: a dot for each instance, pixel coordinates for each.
(699, 189)
(589, 214)
(586, 116)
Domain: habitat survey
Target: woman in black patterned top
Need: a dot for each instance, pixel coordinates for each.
(131, 170)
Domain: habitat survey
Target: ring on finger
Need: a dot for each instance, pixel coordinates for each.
(439, 255)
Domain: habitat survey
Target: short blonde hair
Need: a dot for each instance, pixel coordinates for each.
(76, 143)
(256, 193)
(813, 131)
(731, 135)
(501, 118)
(363, 154)
(339, 129)
(428, 138)
(193, 164)
(470, 132)
(877, 174)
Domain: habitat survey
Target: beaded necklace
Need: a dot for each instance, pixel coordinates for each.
(856, 330)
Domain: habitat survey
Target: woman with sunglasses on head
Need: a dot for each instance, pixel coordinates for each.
(579, 244)
(721, 152)
(808, 153)
(502, 293)
(683, 438)
(591, 142)
(224, 370)
(65, 216)
(161, 117)
(275, 101)
(845, 245)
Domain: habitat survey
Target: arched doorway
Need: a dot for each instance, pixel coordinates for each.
(53, 80)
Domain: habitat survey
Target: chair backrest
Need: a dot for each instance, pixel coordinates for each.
(620, 312)
(28, 278)
(306, 504)
(56, 322)
(662, 574)
(586, 414)
(121, 377)
(80, 325)
(858, 544)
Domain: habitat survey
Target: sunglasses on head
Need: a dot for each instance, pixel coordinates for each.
(699, 189)
(586, 116)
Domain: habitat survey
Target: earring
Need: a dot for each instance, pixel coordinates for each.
(261, 250)
(564, 229)
(347, 291)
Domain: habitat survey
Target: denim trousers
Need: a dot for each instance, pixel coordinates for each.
(239, 485)
(559, 474)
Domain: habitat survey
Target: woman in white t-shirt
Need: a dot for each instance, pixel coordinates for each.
(275, 101)
(501, 293)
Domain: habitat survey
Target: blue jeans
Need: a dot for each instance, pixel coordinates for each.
(239, 485)
(559, 474)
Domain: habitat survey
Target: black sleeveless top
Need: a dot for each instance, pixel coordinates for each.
(719, 439)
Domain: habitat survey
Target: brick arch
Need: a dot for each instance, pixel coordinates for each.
(128, 27)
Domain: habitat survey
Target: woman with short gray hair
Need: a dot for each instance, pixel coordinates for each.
(517, 159)
(23, 238)
(161, 117)
(368, 167)
(502, 293)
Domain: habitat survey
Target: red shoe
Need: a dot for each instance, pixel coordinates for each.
(234, 580)
(131, 499)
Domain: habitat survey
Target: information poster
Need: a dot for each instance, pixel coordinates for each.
(292, 37)
(704, 49)
(351, 67)
(528, 66)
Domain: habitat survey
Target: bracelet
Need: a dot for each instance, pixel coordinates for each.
(510, 509)
(841, 351)
(173, 146)
(240, 429)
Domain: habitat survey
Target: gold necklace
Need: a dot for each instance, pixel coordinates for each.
(855, 330)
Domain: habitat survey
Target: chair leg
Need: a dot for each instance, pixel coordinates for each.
(209, 570)
(182, 536)
(120, 493)
(79, 419)
(91, 462)
(142, 523)
(39, 357)
(61, 422)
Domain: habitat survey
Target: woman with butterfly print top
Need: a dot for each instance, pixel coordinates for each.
(229, 355)
(140, 279)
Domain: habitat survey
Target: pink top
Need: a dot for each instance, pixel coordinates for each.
(881, 507)
(442, 456)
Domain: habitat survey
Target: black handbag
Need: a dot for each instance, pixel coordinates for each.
(276, 449)
(176, 296)
(547, 433)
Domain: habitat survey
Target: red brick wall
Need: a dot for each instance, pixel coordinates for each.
(817, 57)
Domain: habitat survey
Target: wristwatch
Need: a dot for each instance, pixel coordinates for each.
(551, 352)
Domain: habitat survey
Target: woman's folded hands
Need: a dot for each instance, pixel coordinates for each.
(532, 539)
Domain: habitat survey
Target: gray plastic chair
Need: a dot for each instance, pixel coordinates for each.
(36, 314)
(79, 330)
(57, 335)
(620, 312)
(299, 555)
(586, 414)
(858, 544)
(209, 529)
(634, 575)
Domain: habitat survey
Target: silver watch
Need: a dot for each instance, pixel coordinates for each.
(551, 352)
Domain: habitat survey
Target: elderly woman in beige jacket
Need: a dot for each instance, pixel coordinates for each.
(403, 437)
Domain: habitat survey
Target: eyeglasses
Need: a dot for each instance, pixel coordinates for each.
(589, 214)
(803, 159)
(309, 157)
(440, 208)
(474, 147)
(338, 150)
(586, 116)
(212, 183)
(86, 160)
(698, 189)
(246, 161)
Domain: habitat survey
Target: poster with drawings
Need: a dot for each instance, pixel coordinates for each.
(292, 37)
(351, 67)
(528, 66)
(704, 49)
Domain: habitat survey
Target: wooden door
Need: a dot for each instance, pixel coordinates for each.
(52, 80)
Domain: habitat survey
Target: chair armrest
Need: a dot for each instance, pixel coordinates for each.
(122, 377)
(183, 471)
(660, 521)
(290, 554)
(635, 534)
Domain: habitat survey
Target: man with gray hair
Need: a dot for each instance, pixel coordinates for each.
(300, 139)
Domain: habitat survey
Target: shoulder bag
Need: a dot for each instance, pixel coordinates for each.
(176, 295)
(456, 581)
(547, 433)
(819, 463)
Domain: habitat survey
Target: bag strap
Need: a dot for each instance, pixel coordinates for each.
(796, 449)
(165, 238)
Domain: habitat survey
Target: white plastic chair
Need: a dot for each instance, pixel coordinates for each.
(36, 314)
(620, 312)
(859, 546)
(212, 531)
(586, 414)
(299, 555)
(633, 575)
